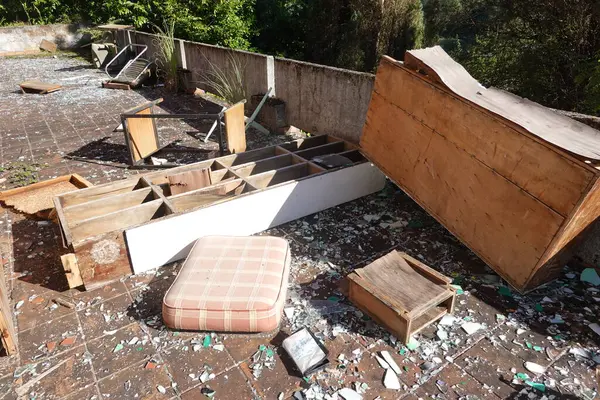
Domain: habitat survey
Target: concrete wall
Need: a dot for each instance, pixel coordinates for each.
(28, 37)
(319, 99)
(323, 99)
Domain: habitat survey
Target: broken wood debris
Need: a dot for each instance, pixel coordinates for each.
(38, 87)
(401, 293)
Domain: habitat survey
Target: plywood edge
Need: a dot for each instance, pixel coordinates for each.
(69, 263)
(590, 203)
(508, 123)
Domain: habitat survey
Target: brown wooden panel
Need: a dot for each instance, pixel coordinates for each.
(189, 180)
(142, 137)
(102, 259)
(8, 334)
(586, 213)
(504, 225)
(540, 170)
(564, 132)
(235, 128)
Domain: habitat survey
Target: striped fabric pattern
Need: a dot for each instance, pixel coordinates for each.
(230, 284)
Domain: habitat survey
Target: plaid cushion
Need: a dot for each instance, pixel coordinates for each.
(231, 284)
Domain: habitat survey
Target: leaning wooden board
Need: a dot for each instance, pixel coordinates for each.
(137, 224)
(517, 200)
(8, 334)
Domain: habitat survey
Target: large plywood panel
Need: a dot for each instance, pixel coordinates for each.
(540, 170)
(503, 224)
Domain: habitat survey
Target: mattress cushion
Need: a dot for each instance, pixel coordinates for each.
(230, 284)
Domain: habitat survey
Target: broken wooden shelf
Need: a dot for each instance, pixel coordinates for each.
(137, 224)
(401, 293)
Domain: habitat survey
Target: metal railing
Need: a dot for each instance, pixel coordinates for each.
(128, 47)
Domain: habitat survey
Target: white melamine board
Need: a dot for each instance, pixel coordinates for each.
(163, 241)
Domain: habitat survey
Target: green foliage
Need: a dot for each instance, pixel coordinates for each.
(344, 33)
(21, 173)
(544, 50)
(227, 83)
(167, 58)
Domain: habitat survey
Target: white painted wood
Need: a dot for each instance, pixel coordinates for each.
(169, 239)
(271, 75)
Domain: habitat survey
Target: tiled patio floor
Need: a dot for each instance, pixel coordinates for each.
(113, 345)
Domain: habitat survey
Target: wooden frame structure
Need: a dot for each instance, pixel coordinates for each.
(141, 134)
(136, 224)
(514, 181)
(401, 293)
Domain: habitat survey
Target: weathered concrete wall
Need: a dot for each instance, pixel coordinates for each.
(200, 59)
(323, 99)
(28, 37)
(319, 99)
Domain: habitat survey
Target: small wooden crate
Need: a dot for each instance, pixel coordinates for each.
(401, 293)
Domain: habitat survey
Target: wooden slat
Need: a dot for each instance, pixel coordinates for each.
(99, 192)
(141, 134)
(117, 220)
(69, 263)
(8, 334)
(107, 205)
(235, 130)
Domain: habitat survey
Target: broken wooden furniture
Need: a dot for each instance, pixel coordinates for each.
(230, 284)
(8, 333)
(38, 87)
(141, 135)
(513, 180)
(137, 224)
(401, 293)
(48, 46)
(37, 198)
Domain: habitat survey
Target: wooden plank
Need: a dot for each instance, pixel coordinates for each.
(266, 165)
(102, 259)
(69, 263)
(48, 46)
(115, 85)
(275, 177)
(208, 196)
(117, 220)
(142, 139)
(98, 207)
(99, 192)
(570, 135)
(8, 333)
(538, 168)
(189, 180)
(235, 131)
(473, 201)
(38, 87)
(169, 239)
